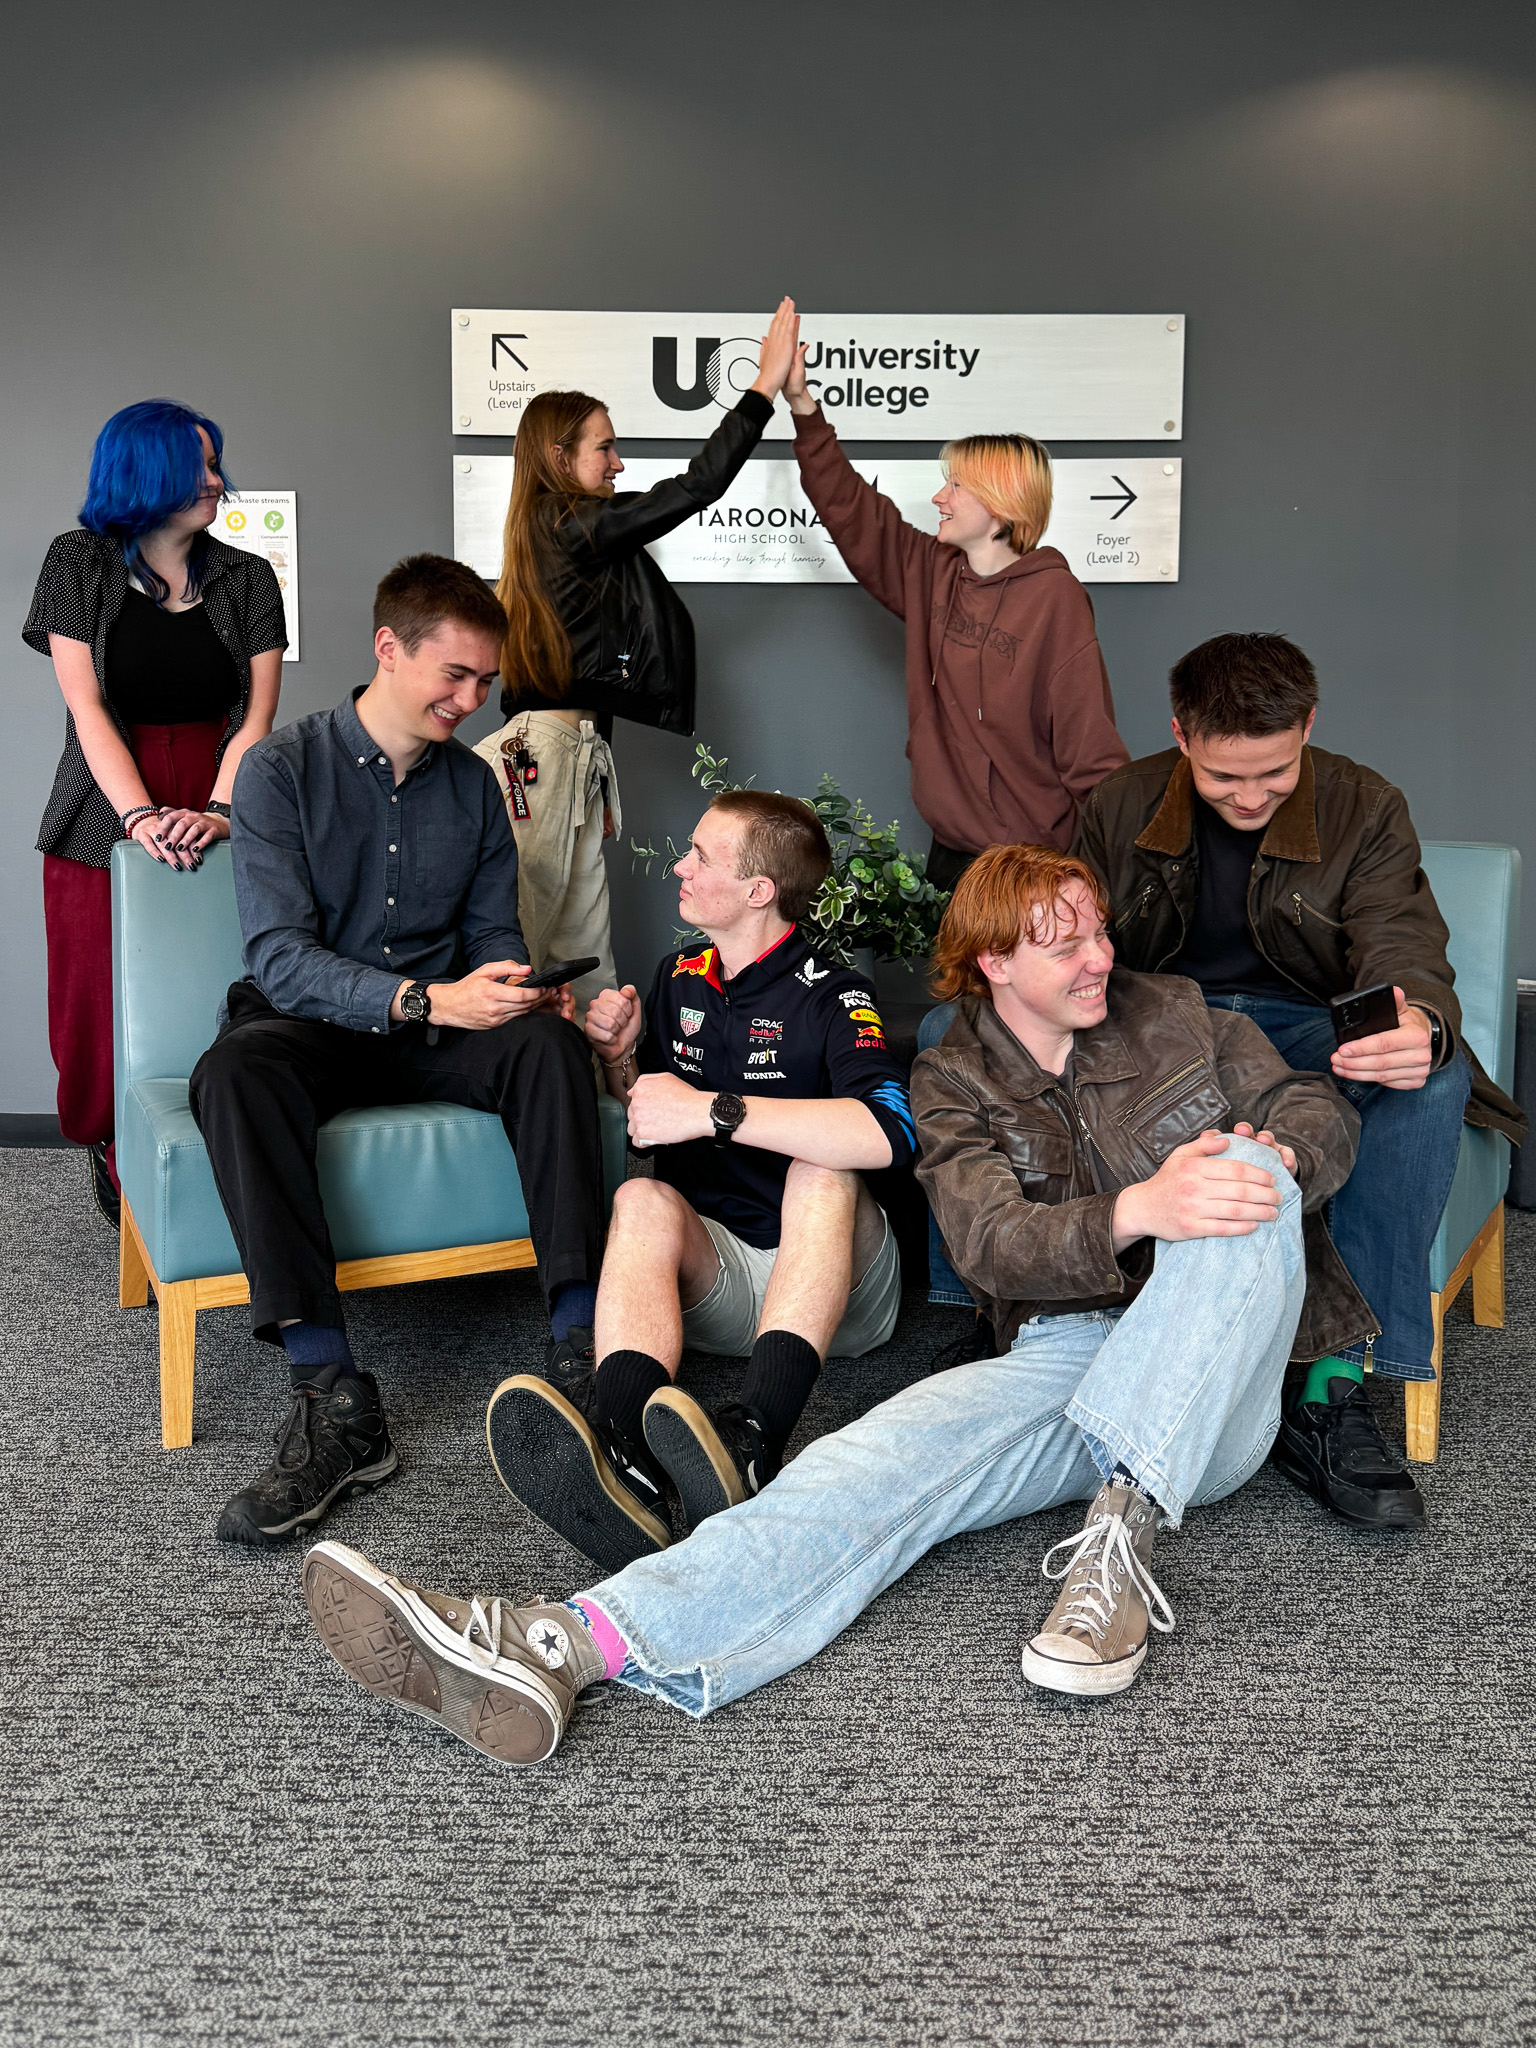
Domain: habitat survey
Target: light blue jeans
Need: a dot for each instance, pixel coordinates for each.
(1182, 1388)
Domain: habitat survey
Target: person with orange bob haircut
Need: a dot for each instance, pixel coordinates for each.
(1009, 714)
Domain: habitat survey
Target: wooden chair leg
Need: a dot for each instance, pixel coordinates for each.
(1488, 1278)
(132, 1273)
(1421, 1398)
(178, 1357)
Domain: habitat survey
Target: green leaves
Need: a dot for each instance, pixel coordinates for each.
(876, 895)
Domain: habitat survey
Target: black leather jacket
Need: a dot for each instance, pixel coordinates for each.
(631, 636)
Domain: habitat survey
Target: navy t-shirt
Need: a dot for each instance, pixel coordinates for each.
(788, 1025)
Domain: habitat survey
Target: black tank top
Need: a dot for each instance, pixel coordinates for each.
(168, 668)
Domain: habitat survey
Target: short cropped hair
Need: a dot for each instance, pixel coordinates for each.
(1011, 474)
(1008, 894)
(1242, 686)
(782, 838)
(424, 591)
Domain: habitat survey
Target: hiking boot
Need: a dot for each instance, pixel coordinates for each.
(1095, 1637)
(714, 1461)
(502, 1678)
(600, 1492)
(334, 1443)
(570, 1362)
(103, 1190)
(1336, 1452)
(978, 1342)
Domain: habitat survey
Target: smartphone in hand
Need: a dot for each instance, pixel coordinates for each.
(1363, 1013)
(559, 972)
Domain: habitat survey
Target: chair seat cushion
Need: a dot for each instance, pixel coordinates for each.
(411, 1177)
(1482, 1172)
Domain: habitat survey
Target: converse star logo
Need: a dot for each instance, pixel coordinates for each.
(549, 1643)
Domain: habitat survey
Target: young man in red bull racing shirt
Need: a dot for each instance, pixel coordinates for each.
(760, 1076)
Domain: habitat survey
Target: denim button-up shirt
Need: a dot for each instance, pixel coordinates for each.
(348, 886)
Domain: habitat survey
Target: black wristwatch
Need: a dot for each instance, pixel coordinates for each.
(727, 1113)
(416, 1003)
(1436, 1039)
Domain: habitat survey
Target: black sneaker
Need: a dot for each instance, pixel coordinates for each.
(334, 1443)
(570, 1362)
(579, 1476)
(1336, 1452)
(714, 1461)
(105, 1196)
(978, 1342)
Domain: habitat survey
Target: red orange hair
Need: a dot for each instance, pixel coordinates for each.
(1010, 893)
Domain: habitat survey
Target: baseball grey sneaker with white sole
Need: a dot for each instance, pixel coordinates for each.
(502, 1678)
(1094, 1640)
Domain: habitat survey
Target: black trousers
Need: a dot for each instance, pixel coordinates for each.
(946, 864)
(266, 1084)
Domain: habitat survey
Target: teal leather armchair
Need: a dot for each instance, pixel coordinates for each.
(1477, 887)
(417, 1191)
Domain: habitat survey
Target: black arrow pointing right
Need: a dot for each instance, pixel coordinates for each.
(1125, 504)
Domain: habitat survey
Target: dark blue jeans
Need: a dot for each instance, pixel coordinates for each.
(1385, 1216)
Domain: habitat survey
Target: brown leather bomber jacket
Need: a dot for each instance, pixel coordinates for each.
(1338, 900)
(1007, 1170)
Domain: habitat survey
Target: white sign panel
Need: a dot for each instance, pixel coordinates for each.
(267, 523)
(1116, 521)
(878, 376)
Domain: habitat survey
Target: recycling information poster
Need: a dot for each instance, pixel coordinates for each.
(267, 523)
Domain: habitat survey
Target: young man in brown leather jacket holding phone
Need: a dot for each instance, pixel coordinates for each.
(1278, 876)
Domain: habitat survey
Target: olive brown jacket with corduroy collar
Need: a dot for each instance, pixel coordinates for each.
(1007, 1150)
(1337, 901)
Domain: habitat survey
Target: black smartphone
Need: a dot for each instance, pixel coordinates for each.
(559, 972)
(1363, 1012)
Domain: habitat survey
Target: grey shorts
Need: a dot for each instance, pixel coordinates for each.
(726, 1319)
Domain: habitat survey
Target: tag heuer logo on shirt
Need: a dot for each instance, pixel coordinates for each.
(690, 1020)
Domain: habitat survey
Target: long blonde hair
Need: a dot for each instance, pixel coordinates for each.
(1011, 474)
(538, 648)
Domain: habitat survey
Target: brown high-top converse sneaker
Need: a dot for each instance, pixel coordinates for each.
(502, 1678)
(1095, 1637)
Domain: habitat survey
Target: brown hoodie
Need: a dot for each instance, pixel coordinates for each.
(1009, 718)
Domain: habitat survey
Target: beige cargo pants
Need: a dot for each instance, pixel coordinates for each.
(562, 885)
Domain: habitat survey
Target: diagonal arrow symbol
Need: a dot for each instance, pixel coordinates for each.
(1126, 503)
(501, 341)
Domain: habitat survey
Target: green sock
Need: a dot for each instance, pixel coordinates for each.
(1326, 1369)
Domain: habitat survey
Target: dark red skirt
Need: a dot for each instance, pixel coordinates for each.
(178, 764)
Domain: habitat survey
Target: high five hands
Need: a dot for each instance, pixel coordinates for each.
(779, 353)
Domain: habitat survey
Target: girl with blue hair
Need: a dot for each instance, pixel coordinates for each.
(168, 647)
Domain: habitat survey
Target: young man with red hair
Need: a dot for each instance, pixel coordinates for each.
(1123, 1175)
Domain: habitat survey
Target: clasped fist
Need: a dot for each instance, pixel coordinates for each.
(613, 1022)
(1200, 1190)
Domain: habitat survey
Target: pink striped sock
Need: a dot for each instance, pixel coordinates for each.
(614, 1649)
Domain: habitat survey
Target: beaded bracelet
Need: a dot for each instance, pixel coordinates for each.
(130, 818)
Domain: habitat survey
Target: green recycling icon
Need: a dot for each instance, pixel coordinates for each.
(274, 522)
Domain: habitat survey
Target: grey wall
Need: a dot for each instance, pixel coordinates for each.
(271, 216)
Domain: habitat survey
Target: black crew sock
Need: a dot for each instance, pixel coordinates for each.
(626, 1380)
(780, 1374)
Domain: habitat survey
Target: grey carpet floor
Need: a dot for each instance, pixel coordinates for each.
(1310, 1822)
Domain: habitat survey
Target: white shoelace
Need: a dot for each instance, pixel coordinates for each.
(1092, 1608)
(487, 1626)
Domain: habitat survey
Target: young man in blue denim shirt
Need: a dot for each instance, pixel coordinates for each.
(1123, 1176)
(376, 877)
